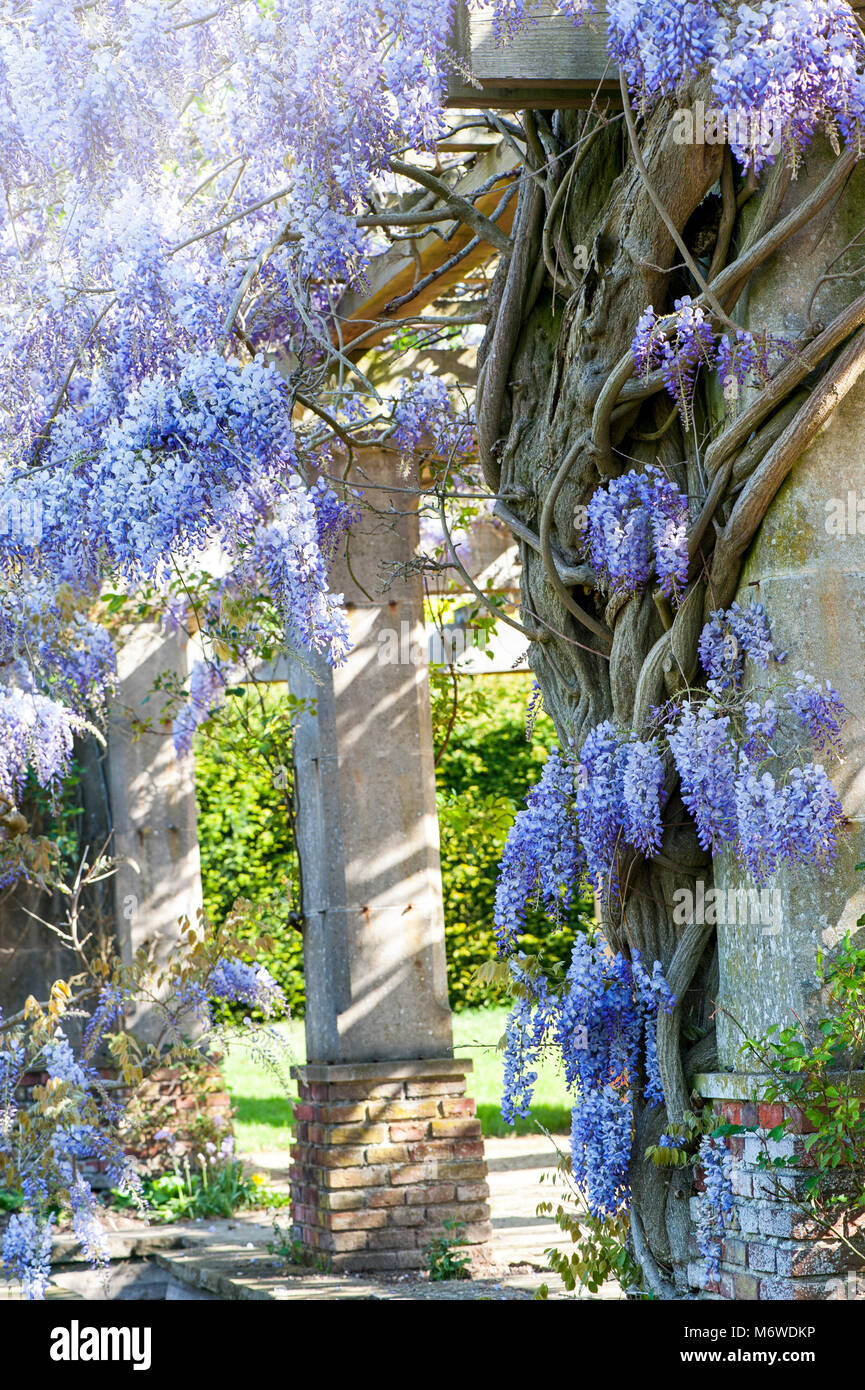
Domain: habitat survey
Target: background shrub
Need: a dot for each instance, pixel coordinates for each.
(484, 771)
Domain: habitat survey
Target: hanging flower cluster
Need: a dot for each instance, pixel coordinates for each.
(682, 342)
(603, 1025)
(636, 524)
(542, 861)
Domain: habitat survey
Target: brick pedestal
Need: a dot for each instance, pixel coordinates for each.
(386, 1153)
(774, 1251)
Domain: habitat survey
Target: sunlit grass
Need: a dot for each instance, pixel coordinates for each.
(263, 1118)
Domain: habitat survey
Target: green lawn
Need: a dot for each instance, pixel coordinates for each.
(263, 1111)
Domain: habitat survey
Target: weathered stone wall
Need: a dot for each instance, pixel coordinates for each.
(774, 1251)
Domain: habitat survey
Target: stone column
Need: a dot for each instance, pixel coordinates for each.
(811, 581)
(388, 1146)
(153, 810)
(809, 573)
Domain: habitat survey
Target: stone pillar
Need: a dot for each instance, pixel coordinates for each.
(811, 581)
(152, 796)
(385, 1133)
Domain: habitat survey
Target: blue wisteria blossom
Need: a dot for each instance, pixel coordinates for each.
(526, 1033)
(637, 523)
(236, 981)
(715, 1208)
(706, 761)
(425, 414)
(729, 636)
(643, 795)
(207, 685)
(605, 1016)
(542, 861)
(26, 1252)
(682, 342)
(620, 798)
(794, 66)
(819, 709)
(37, 733)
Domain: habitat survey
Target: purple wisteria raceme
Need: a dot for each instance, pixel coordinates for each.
(820, 711)
(237, 982)
(682, 342)
(780, 69)
(620, 798)
(715, 1202)
(605, 1020)
(761, 725)
(730, 636)
(424, 417)
(638, 522)
(526, 1033)
(37, 733)
(26, 1252)
(643, 795)
(541, 862)
(207, 685)
(706, 762)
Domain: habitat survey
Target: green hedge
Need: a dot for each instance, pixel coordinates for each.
(483, 776)
(247, 848)
(484, 772)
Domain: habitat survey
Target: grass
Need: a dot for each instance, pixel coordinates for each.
(263, 1118)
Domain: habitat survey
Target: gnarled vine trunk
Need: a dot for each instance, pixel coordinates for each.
(560, 411)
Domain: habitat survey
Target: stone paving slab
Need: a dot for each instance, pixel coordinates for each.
(229, 1259)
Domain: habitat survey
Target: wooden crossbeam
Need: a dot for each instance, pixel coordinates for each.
(398, 271)
(552, 64)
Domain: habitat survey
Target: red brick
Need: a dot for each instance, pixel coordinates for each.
(469, 1148)
(408, 1216)
(463, 1105)
(473, 1192)
(408, 1173)
(407, 1133)
(431, 1148)
(380, 1259)
(746, 1287)
(341, 1114)
(454, 1087)
(460, 1170)
(355, 1134)
(749, 1114)
(337, 1156)
(380, 1110)
(386, 1197)
(354, 1177)
(357, 1220)
(352, 1200)
(345, 1240)
(388, 1153)
(430, 1194)
(456, 1129)
(365, 1090)
(466, 1213)
(770, 1116)
(391, 1239)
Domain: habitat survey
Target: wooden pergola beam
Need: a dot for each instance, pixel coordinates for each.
(397, 271)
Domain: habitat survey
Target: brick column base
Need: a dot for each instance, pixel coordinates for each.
(385, 1154)
(774, 1250)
